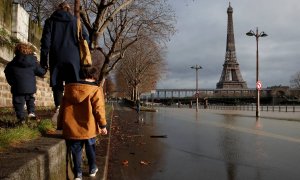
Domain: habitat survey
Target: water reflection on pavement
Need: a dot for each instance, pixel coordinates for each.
(206, 145)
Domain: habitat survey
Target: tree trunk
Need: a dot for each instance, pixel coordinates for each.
(77, 8)
(132, 94)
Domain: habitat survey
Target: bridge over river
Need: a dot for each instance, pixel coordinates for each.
(274, 95)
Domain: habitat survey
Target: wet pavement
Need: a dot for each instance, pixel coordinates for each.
(178, 143)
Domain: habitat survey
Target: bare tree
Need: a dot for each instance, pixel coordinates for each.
(295, 80)
(140, 69)
(39, 10)
(116, 25)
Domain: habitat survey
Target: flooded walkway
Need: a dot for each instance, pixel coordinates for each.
(213, 145)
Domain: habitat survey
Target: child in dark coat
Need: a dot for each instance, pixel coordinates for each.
(20, 74)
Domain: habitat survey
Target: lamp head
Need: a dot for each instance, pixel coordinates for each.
(196, 67)
(263, 34)
(250, 33)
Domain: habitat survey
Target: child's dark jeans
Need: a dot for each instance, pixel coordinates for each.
(76, 149)
(19, 101)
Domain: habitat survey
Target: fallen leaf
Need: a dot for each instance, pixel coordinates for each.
(125, 163)
(142, 143)
(144, 163)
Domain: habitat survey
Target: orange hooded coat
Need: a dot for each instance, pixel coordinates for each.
(82, 111)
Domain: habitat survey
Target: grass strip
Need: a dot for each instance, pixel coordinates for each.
(29, 131)
(23, 133)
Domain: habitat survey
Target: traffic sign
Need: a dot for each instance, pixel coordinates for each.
(258, 85)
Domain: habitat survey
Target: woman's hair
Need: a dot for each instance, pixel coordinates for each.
(91, 72)
(23, 48)
(64, 6)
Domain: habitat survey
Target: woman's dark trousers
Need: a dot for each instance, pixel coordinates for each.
(58, 92)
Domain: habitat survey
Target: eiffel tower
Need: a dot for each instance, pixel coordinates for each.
(231, 77)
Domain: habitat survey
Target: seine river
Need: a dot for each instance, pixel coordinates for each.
(217, 145)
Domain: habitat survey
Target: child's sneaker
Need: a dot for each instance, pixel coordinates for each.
(79, 176)
(31, 115)
(93, 172)
(21, 121)
(57, 109)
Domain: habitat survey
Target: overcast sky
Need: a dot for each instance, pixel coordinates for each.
(201, 39)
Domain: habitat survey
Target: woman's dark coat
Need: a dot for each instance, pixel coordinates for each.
(59, 47)
(20, 74)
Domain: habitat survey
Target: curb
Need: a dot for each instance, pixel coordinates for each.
(105, 171)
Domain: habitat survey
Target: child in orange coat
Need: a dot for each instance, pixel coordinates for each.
(82, 117)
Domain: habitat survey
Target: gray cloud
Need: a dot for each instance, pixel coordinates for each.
(201, 39)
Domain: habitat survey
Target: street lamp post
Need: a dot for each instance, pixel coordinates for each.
(257, 35)
(196, 67)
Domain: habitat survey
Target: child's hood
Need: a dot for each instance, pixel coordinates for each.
(76, 92)
(22, 60)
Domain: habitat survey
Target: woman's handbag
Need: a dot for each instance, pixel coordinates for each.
(85, 54)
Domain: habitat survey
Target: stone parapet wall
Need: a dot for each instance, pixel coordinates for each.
(5, 95)
(44, 95)
(6, 54)
(35, 34)
(20, 22)
(5, 13)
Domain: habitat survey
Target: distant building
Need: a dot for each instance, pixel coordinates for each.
(231, 77)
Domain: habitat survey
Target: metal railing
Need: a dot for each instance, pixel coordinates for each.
(271, 108)
(268, 108)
